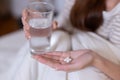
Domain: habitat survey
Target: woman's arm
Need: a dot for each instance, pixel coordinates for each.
(80, 60)
(109, 68)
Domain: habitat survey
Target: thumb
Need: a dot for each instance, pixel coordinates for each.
(54, 25)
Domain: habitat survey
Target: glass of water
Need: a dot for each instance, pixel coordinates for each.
(40, 15)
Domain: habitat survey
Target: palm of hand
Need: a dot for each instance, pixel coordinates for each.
(80, 59)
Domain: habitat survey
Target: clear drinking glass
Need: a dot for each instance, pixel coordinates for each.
(40, 15)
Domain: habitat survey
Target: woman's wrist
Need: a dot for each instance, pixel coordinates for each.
(98, 61)
(107, 67)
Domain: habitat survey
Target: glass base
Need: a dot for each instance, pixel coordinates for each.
(33, 52)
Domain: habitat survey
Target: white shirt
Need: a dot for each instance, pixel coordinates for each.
(111, 26)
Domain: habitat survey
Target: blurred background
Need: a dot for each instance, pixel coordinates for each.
(10, 13)
(7, 22)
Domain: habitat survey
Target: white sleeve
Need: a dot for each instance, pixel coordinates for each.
(114, 35)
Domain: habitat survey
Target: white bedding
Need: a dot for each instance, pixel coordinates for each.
(24, 67)
(10, 44)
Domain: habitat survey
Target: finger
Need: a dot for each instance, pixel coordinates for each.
(26, 28)
(60, 56)
(25, 17)
(55, 25)
(56, 53)
(27, 34)
(56, 57)
(55, 64)
(24, 13)
(26, 25)
(44, 59)
(52, 57)
(50, 62)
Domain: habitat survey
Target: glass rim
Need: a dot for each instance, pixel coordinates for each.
(41, 2)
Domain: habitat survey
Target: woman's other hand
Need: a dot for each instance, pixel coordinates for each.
(79, 60)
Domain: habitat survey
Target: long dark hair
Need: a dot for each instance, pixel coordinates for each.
(86, 15)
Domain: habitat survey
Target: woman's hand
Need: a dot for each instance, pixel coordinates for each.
(26, 26)
(80, 59)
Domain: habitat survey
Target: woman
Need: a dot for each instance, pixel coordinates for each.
(97, 16)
